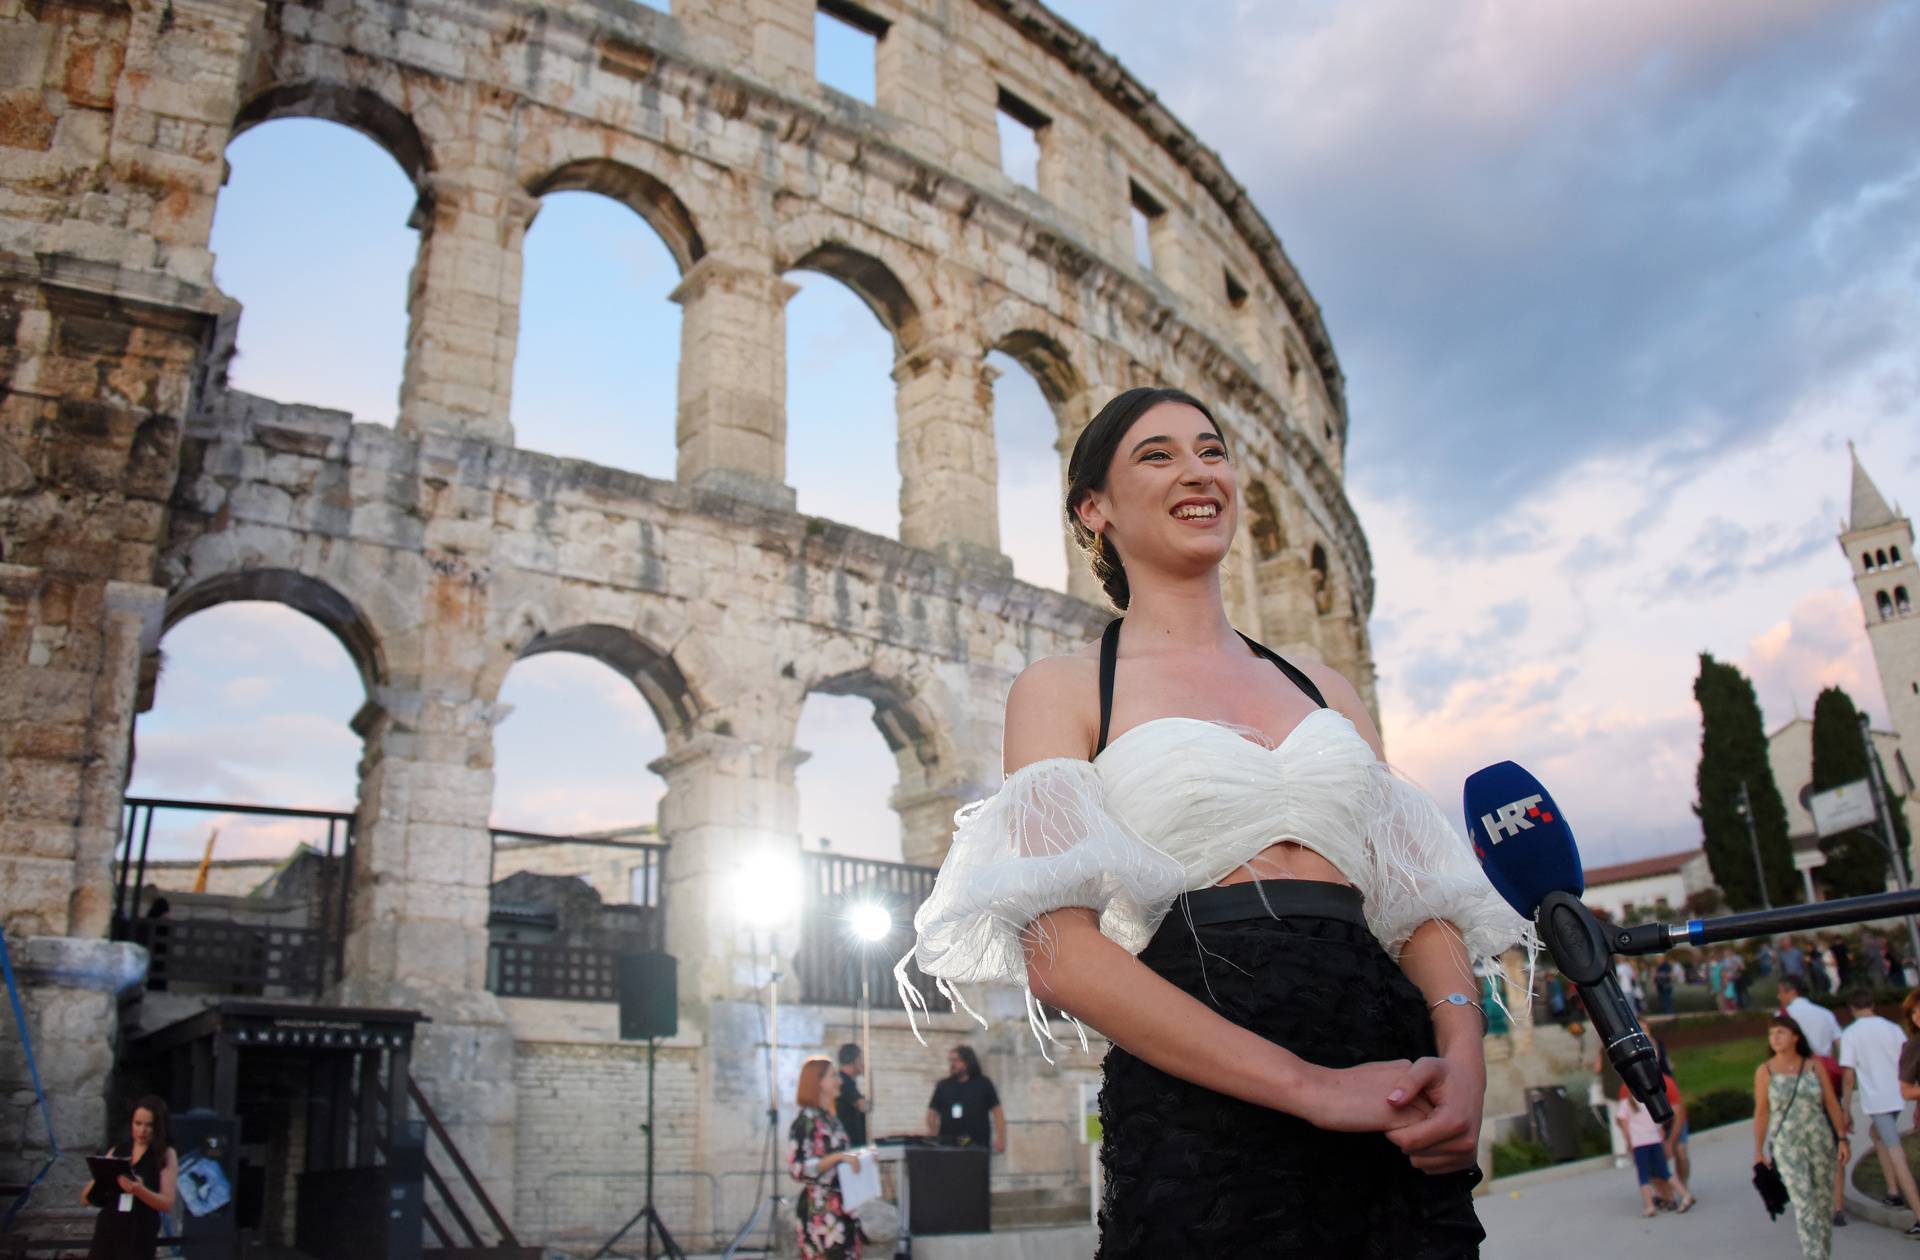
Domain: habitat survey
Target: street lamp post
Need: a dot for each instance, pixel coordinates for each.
(1884, 817)
(1745, 807)
(871, 924)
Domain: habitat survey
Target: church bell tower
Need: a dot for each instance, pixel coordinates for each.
(1878, 543)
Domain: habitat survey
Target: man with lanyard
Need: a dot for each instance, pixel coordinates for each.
(963, 1103)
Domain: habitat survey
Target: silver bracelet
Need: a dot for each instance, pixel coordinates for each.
(1461, 999)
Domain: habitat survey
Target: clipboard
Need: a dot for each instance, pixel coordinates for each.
(108, 1169)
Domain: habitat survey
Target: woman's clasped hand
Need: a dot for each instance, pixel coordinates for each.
(1428, 1107)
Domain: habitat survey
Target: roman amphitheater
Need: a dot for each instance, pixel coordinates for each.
(137, 488)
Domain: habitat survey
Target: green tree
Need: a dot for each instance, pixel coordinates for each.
(1856, 860)
(1733, 750)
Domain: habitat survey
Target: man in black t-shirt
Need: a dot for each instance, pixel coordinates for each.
(852, 1104)
(963, 1104)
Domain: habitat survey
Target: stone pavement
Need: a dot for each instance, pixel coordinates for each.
(1593, 1209)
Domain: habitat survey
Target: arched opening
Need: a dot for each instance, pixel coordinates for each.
(596, 369)
(238, 820)
(578, 861)
(1883, 603)
(1880, 559)
(586, 711)
(1893, 555)
(860, 787)
(1901, 604)
(845, 329)
(322, 277)
(1322, 580)
(1866, 561)
(1026, 436)
(847, 782)
(1269, 537)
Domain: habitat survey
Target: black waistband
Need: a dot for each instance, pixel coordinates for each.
(1269, 898)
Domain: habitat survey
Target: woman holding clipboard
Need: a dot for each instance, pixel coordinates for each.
(143, 1170)
(816, 1147)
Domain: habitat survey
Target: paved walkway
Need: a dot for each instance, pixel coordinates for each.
(1596, 1212)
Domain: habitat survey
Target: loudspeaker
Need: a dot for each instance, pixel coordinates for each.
(649, 996)
(950, 1192)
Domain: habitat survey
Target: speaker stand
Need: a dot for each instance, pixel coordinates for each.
(656, 1228)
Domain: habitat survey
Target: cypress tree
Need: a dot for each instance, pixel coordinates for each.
(1856, 860)
(1733, 749)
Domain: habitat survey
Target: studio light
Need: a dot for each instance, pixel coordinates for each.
(766, 893)
(870, 922)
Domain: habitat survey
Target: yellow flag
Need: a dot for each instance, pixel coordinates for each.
(206, 862)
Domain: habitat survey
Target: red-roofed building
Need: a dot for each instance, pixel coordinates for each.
(1644, 882)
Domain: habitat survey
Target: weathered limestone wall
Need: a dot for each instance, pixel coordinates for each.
(136, 488)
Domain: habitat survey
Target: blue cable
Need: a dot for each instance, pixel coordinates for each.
(33, 1070)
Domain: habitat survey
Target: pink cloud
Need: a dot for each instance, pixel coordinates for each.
(1821, 643)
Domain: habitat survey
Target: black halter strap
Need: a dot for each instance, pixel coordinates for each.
(1110, 656)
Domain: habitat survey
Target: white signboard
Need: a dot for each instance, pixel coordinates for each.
(1843, 808)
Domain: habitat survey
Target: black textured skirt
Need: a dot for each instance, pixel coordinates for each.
(1190, 1172)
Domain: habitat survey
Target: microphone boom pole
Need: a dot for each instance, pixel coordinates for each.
(1653, 938)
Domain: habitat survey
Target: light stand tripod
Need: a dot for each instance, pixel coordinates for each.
(771, 1204)
(655, 1226)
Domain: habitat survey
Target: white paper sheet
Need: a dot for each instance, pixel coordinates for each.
(857, 1187)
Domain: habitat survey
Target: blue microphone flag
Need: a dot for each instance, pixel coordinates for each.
(1521, 838)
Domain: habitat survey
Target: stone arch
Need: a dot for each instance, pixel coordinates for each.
(360, 108)
(875, 281)
(1060, 380)
(309, 595)
(640, 192)
(654, 673)
(896, 712)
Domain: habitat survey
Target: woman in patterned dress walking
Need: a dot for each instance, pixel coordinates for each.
(1796, 1119)
(816, 1146)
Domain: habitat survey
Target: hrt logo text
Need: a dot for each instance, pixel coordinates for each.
(1510, 820)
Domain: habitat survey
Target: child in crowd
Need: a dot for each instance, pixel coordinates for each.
(1651, 1141)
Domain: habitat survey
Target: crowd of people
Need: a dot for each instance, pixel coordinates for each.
(1816, 1068)
(1821, 965)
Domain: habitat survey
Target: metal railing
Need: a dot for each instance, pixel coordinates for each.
(648, 873)
(563, 972)
(833, 967)
(225, 953)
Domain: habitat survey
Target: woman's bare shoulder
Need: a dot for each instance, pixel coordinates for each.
(1342, 695)
(1051, 709)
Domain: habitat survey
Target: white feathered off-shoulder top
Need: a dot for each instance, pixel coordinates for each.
(1176, 804)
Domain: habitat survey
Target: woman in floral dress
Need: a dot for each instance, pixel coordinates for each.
(1795, 1121)
(816, 1146)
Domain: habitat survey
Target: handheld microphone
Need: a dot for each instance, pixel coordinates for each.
(1527, 851)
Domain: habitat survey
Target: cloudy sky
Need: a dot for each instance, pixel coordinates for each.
(1613, 285)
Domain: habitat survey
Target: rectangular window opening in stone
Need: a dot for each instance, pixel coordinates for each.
(846, 49)
(1148, 217)
(1236, 292)
(1023, 130)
